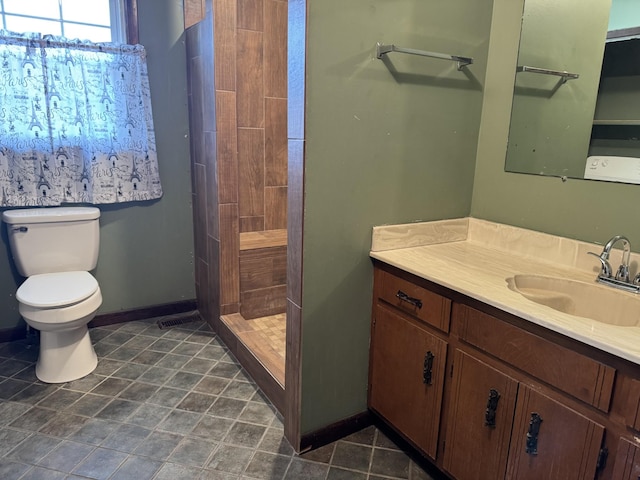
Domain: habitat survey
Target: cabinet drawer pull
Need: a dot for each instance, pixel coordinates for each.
(427, 368)
(532, 434)
(416, 302)
(492, 405)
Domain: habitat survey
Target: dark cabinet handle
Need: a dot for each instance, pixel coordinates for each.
(532, 434)
(427, 368)
(492, 405)
(416, 302)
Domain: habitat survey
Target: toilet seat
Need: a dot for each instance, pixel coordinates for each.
(56, 290)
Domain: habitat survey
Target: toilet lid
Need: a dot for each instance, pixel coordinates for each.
(49, 290)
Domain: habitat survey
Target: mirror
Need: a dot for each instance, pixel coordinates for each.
(567, 120)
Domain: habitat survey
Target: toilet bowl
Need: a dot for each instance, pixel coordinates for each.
(55, 248)
(60, 305)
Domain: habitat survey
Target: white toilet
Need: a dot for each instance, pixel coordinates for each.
(55, 248)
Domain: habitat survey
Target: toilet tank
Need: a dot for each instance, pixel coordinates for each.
(55, 239)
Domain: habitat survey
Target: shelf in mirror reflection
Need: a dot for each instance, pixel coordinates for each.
(616, 122)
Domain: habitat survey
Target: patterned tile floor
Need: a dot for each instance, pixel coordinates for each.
(164, 404)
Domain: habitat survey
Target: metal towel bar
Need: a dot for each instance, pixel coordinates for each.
(384, 49)
(545, 71)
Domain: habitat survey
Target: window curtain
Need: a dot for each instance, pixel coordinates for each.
(75, 123)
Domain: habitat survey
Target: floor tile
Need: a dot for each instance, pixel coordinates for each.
(231, 459)
(165, 404)
(300, 468)
(193, 452)
(100, 464)
(245, 434)
(392, 463)
(66, 456)
(352, 456)
(137, 468)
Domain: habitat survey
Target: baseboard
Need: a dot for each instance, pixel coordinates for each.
(335, 431)
(13, 334)
(143, 313)
(20, 332)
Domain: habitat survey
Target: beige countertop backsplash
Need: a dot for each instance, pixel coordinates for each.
(476, 257)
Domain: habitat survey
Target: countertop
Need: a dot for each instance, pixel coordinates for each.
(476, 258)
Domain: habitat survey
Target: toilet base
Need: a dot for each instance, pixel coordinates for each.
(65, 355)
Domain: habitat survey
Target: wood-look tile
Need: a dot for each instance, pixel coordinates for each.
(227, 309)
(265, 337)
(275, 38)
(250, 15)
(200, 211)
(251, 195)
(293, 375)
(202, 287)
(193, 12)
(251, 224)
(295, 209)
(262, 268)
(263, 239)
(227, 147)
(213, 308)
(275, 208)
(208, 73)
(229, 253)
(196, 107)
(249, 86)
(211, 165)
(263, 302)
(275, 142)
(224, 31)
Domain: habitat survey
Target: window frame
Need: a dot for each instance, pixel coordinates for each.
(130, 17)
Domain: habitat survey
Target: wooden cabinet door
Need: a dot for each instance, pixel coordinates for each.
(627, 466)
(479, 420)
(407, 377)
(551, 441)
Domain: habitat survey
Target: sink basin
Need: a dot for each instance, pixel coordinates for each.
(596, 302)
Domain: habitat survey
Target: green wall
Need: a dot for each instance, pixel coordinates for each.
(146, 252)
(582, 209)
(385, 143)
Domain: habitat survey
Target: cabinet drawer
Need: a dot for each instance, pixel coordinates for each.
(578, 375)
(423, 304)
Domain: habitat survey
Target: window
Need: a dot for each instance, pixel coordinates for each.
(94, 20)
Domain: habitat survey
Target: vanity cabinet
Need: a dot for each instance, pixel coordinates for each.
(627, 466)
(498, 426)
(504, 399)
(408, 360)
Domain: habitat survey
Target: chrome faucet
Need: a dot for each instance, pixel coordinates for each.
(621, 278)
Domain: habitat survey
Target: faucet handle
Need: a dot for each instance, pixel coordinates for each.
(606, 267)
(623, 273)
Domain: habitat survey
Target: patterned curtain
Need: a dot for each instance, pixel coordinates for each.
(75, 123)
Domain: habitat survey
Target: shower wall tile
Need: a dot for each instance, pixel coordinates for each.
(227, 147)
(251, 224)
(275, 211)
(251, 171)
(249, 87)
(193, 12)
(213, 221)
(295, 217)
(275, 142)
(200, 210)
(275, 41)
(213, 310)
(224, 39)
(229, 254)
(250, 15)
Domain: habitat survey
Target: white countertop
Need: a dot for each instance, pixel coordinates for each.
(478, 258)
